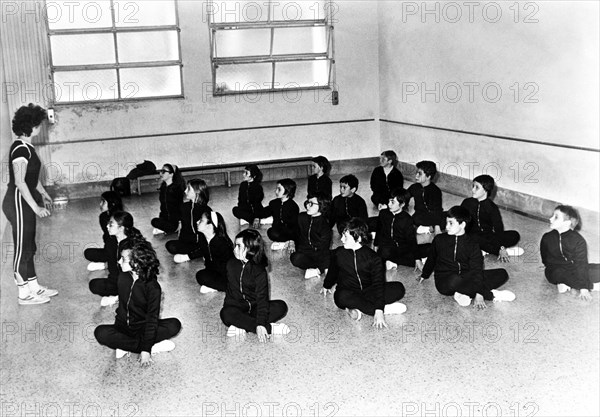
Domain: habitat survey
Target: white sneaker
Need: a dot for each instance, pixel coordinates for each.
(354, 314)
(233, 331)
(46, 292)
(515, 251)
(109, 300)
(180, 258)
(389, 265)
(562, 288)
(32, 299)
(462, 299)
(162, 346)
(423, 230)
(394, 308)
(503, 295)
(156, 231)
(278, 245)
(483, 253)
(120, 353)
(206, 290)
(268, 220)
(96, 266)
(312, 273)
(279, 328)
(243, 222)
(596, 286)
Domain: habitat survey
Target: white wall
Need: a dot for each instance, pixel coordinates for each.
(558, 55)
(357, 77)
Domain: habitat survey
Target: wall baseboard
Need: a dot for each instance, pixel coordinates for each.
(525, 204)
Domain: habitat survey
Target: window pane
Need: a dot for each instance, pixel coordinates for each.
(243, 42)
(301, 74)
(148, 46)
(89, 49)
(85, 85)
(227, 11)
(151, 82)
(145, 13)
(244, 77)
(80, 14)
(298, 10)
(300, 40)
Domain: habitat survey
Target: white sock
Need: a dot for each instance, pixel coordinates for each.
(34, 287)
(23, 290)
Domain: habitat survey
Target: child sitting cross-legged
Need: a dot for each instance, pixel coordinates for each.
(458, 264)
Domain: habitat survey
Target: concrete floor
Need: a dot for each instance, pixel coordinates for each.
(537, 356)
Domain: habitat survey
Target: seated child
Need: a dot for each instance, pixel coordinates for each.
(250, 196)
(360, 277)
(564, 253)
(137, 327)
(458, 264)
(247, 307)
(429, 214)
(285, 214)
(396, 239)
(188, 242)
(110, 202)
(171, 199)
(320, 182)
(217, 250)
(486, 227)
(348, 204)
(385, 178)
(310, 249)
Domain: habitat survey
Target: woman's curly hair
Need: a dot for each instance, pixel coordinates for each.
(28, 117)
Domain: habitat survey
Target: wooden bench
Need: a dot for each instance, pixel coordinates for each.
(227, 169)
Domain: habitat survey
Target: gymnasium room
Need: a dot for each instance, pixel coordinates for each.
(505, 89)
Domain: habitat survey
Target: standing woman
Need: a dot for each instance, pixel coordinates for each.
(385, 178)
(171, 200)
(22, 202)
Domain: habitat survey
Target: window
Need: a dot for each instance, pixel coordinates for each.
(271, 45)
(107, 50)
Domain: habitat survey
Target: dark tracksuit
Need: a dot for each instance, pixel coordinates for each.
(100, 254)
(312, 242)
(285, 219)
(344, 208)
(486, 226)
(108, 286)
(137, 327)
(216, 254)
(171, 200)
(396, 238)
(247, 304)
(322, 184)
(382, 185)
(458, 265)
(566, 261)
(250, 197)
(360, 278)
(189, 238)
(428, 205)
(22, 218)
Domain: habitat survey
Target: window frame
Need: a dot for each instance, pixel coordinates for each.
(114, 30)
(273, 59)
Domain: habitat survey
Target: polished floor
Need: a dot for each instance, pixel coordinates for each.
(536, 356)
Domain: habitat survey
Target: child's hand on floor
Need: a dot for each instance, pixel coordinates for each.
(261, 332)
(585, 295)
(291, 247)
(325, 291)
(479, 302)
(378, 320)
(503, 255)
(145, 359)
